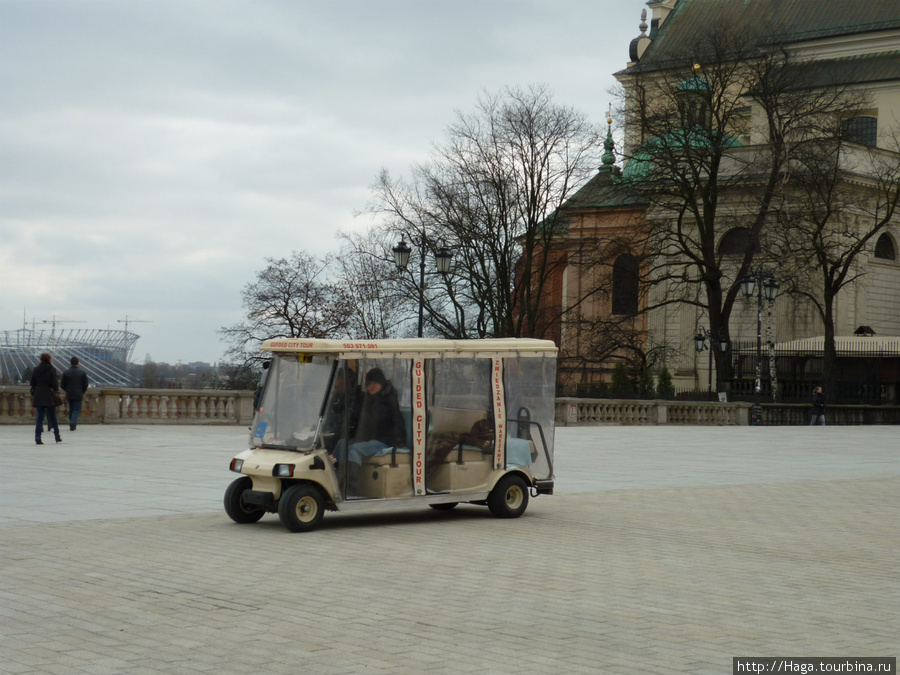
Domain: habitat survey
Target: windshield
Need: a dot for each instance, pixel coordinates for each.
(291, 403)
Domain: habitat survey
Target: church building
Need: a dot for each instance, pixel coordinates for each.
(758, 141)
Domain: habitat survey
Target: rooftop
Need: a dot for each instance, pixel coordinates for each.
(781, 21)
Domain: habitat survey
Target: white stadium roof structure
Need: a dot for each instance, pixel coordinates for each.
(104, 353)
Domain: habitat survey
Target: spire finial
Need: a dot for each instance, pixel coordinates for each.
(608, 158)
(643, 24)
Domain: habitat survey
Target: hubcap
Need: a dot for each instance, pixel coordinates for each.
(514, 497)
(306, 509)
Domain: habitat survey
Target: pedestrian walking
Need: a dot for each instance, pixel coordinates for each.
(75, 384)
(818, 407)
(44, 384)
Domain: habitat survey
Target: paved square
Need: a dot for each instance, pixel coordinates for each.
(666, 549)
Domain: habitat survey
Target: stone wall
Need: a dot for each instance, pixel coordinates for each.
(585, 411)
(140, 406)
(204, 406)
(593, 411)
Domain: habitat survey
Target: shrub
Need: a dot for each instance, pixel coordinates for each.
(623, 385)
(664, 387)
(645, 385)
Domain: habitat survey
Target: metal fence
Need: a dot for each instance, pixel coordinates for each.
(866, 374)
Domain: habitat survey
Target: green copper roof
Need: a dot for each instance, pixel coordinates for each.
(639, 166)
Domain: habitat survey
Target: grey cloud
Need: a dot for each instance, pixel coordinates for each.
(154, 152)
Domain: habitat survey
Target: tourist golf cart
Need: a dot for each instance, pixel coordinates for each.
(470, 421)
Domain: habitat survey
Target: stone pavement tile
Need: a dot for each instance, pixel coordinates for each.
(676, 578)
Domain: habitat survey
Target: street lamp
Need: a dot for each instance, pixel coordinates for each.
(714, 337)
(442, 258)
(765, 284)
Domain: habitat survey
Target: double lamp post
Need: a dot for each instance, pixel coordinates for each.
(442, 258)
(715, 338)
(765, 286)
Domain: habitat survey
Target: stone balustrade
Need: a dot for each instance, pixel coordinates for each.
(140, 406)
(207, 406)
(587, 411)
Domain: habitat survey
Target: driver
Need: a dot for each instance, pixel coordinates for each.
(337, 406)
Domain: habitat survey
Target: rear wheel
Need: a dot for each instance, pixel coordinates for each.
(234, 502)
(301, 508)
(509, 498)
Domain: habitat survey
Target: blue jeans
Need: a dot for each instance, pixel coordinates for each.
(357, 450)
(50, 412)
(74, 411)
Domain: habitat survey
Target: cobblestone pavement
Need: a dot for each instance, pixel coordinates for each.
(667, 549)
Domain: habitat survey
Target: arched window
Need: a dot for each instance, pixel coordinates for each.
(736, 242)
(884, 248)
(862, 130)
(625, 285)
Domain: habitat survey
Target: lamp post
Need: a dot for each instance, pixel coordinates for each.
(714, 337)
(442, 258)
(765, 283)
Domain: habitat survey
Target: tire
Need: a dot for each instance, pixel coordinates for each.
(509, 498)
(301, 508)
(234, 504)
(444, 507)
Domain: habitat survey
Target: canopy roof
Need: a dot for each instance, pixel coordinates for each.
(847, 345)
(426, 347)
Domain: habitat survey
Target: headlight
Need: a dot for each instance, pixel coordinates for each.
(237, 464)
(283, 470)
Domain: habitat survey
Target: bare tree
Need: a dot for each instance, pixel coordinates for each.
(367, 277)
(716, 132)
(291, 297)
(842, 197)
(491, 192)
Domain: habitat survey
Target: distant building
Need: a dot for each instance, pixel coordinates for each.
(103, 353)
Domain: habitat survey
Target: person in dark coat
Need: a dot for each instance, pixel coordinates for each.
(75, 384)
(345, 396)
(818, 407)
(45, 381)
(377, 419)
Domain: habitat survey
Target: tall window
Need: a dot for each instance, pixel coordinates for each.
(625, 285)
(884, 248)
(862, 130)
(736, 242)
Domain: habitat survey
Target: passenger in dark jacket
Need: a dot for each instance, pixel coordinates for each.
(74, 383)
(45, 381)
(377, 419)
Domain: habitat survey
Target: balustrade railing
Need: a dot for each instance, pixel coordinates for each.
(204, 406)
(572, 411)
(586, 411)
(140, 406)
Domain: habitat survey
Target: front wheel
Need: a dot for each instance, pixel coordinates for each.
(234, 502)
(509, 498)
(301, 508)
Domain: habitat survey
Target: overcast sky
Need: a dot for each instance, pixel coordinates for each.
(154, 152)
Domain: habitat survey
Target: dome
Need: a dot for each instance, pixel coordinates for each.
(639, 166)
(693, 83)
